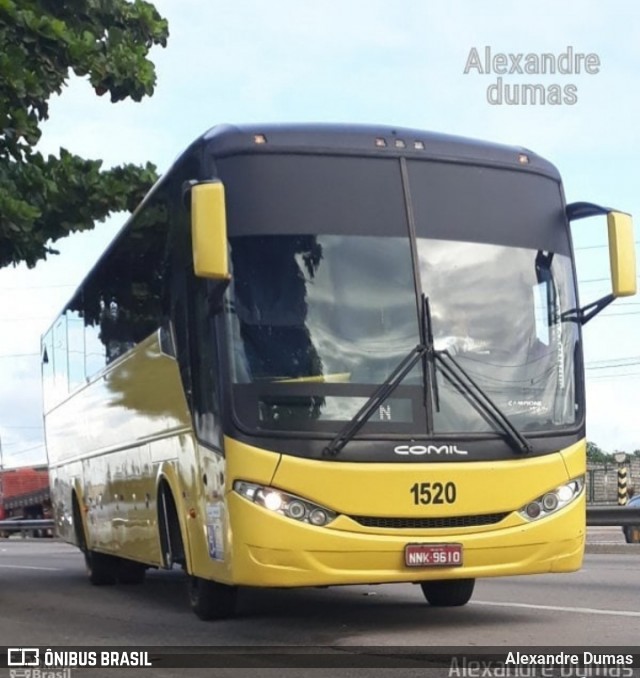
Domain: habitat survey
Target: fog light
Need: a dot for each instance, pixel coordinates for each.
(550, 502)
(533, 509)
(296, 510)
(318, 517)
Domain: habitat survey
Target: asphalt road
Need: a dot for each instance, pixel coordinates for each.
(46, 601)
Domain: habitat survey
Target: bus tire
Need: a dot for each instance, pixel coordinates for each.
(448, 592)
(101, 568)
(211, 600)
(130, 572)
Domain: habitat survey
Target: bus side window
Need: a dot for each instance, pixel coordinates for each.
(94, 349)
(75, 341)
(60, 361)
(47, 371)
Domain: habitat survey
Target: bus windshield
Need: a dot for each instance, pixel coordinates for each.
(498, 311)
(322, 306)
(313, 316)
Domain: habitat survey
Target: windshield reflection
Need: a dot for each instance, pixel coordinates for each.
(498, 311)
(339, 308)
(315, 322)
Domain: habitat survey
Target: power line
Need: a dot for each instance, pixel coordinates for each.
(593, 280)
(602, 377)
(613, 367)
(15, 442)
(20, 320)
(597, 247)
(19, 355)
(28, 449)
(34, 287)
(612, 363)
(606, 360)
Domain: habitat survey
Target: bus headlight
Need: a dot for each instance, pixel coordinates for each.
(285, 504)
(550, 502)
(272, 500)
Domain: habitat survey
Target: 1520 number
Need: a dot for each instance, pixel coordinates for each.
(433, 493)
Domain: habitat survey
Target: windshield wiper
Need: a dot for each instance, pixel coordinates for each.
(386, 388)
(423, 351)
(460, 378)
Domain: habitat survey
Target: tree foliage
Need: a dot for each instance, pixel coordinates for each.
(596, 454)
(43, 42)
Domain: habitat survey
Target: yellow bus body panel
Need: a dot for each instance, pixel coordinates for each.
(111, 441)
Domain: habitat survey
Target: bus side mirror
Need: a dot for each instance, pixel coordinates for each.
(209, 231)
(621, 254)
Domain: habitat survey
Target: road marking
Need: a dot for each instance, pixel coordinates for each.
(558, 608)
(29, 567)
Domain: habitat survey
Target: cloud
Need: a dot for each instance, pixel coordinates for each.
(612, 418)
(361, 61)
(20, 404)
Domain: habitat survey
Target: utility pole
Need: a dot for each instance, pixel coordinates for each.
(621, 458)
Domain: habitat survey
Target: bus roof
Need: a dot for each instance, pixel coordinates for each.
(345, 139)
(223, 140)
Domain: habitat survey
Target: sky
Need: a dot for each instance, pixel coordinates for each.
(366, 61)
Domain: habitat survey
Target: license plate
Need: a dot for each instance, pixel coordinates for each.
(433, 555)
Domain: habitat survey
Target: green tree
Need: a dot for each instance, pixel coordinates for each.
(596, 454)
(42, 43)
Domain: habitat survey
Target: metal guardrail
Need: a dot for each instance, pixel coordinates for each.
(607, 516)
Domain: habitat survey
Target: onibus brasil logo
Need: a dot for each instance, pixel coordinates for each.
(24, 662)
(31, 662)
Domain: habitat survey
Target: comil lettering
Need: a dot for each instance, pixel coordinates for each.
(419, 450)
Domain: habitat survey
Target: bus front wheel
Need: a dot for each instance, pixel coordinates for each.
(211, 600)
(448, 592)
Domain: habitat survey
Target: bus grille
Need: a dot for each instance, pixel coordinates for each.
(423, 523)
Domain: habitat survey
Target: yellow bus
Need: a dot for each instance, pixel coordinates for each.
(320, 355)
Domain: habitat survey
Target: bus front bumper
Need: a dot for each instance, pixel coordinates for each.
(270, 550)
